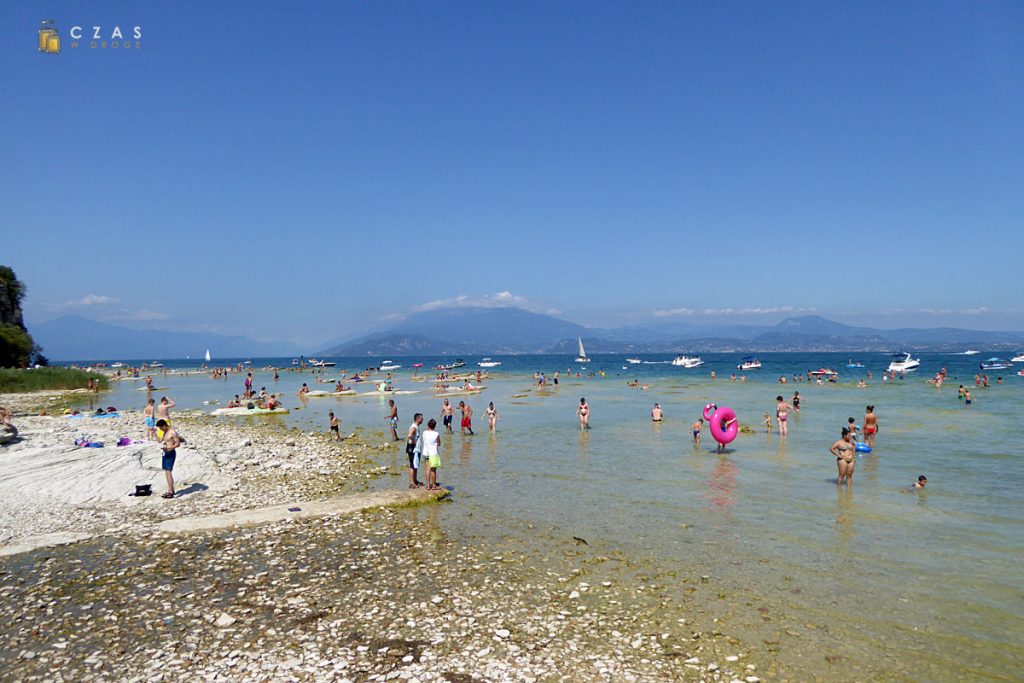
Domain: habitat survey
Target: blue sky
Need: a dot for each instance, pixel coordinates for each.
(305, 172)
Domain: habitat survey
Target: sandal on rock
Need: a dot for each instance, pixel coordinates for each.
(167, 495)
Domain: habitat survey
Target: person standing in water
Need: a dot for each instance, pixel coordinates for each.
(796, 401)
(392, 418)
(656, 413)
(846, 457)
(446, 415)
(492, 416)
(467, 418)
(870, 425)
(696, 427)
(782, 411)
(584, 413)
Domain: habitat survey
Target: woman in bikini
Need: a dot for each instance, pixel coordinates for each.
(492, 416)
(846, 457)
(870, 425)
(782, 410)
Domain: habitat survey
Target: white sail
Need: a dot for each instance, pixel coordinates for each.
(207, 355)
(582, 356)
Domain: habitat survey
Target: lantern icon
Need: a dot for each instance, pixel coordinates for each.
(49, 38)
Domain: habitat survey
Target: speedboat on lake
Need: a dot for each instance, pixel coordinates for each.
(387, 366)
(854, 364)
(823, 372)
(687, 361)
(749, 363)
(903, 362)
(633, 361)
(994, 364)
(1019, 358)
(488, 363)
(969, 352)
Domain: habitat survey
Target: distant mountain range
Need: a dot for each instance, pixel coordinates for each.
(494, 331)
(72, 337)
(464, 331)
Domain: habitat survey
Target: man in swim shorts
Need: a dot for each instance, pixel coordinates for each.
(335, 425)
(392, 418)
(412, 441)
(656, 413)
(446, 415)
(169, 442)
(870, 425)
(467, 418)
(150, 414)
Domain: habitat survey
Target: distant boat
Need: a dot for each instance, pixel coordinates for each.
(1019, 358)
(687, 361)
(488, 363)
(969, 352)
(417, 365)
(117, 365)
(387, 366)
(854, 364)
(823, 372)
(994, 364)
(903, 362)
(749, 363)
(633, 361)
(207, 355)
(459, 363)
(581, 356)
(321, 363)
(295, 361)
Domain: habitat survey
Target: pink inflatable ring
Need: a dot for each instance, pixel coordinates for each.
(718, 420)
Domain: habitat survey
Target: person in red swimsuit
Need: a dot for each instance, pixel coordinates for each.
(870, 425)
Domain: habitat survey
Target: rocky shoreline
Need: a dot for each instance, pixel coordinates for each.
(382, 594)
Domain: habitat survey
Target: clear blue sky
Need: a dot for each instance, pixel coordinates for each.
(302, 171)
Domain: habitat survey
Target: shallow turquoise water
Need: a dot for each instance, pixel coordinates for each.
(896, 573)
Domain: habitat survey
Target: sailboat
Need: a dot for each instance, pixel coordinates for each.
(207, 355)
(582, 355)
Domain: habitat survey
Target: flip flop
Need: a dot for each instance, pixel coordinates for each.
(167, 495)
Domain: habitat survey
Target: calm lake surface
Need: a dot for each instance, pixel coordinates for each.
(908, 586)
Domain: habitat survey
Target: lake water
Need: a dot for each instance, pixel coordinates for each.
(901, 586)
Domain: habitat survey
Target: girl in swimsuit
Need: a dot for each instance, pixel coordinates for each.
(846, 457)
(492, 416)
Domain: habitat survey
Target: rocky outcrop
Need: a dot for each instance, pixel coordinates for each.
(16, 346)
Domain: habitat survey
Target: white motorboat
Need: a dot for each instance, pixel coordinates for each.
(387, 366)
(313, 362)
(581, 356)
(749, 363)
(117, 365)
(633, 361)
(488, 363)
(969, 352)
(994, 364)
(687, 361)
(903, 362)
(1019, 358)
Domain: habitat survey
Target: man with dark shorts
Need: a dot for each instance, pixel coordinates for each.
(411, 441)
(446, 415)
(169, 442)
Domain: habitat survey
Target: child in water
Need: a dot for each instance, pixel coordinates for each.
(697, 426)
(767, 423)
